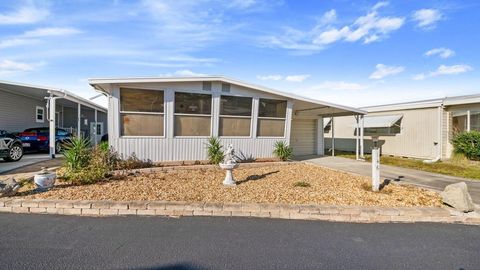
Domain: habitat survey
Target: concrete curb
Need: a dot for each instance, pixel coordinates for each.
(356, 214)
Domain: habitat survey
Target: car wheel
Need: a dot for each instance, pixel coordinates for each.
(15, 153)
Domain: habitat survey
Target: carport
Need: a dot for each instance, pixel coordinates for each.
(63, 110)
(313, 118)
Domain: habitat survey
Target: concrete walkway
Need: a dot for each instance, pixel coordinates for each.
(27, 159)
(397, 174)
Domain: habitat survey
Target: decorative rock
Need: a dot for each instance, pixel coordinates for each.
(457, 196)
(8, 187)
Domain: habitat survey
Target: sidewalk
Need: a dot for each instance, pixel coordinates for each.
(402, 175)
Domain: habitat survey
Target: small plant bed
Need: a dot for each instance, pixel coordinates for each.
(293, 184)
(457, 166)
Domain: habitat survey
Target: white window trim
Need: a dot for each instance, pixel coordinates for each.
(36, 114)
(194, 114)
(145, 113)
(250, 135)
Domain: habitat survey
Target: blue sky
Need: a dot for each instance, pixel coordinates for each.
(357, 54)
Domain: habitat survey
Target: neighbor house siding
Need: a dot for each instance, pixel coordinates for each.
(18, 112)
(420, 131)
(171, 148)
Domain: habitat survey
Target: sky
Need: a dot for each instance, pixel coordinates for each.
(354, 53)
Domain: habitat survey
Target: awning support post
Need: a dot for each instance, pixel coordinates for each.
(357, 136)
(79, 120)
(51, 120)
(95, 128)
(362, 124)
(333, 137)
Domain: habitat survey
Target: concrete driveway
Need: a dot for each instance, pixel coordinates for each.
(27, 159)
(397, 174)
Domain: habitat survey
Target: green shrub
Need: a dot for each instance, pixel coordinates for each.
(77, 153)
(468, 144)
(302, 184)
(282, 150)
(214, 150)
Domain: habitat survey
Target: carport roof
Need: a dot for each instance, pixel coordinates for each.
(315, 107)
(40, 92)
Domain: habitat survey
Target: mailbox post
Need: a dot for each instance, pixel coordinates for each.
(375, 164)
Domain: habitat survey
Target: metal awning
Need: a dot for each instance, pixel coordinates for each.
(326, 121)
(382, 121)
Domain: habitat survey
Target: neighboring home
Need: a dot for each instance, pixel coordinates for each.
(25, 106)
(170, 119)
(421, 129)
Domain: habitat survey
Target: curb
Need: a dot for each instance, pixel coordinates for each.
(355, 214)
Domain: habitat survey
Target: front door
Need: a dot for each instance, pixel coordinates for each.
(96, 131)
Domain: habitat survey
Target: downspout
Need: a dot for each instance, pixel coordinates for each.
(439, 143)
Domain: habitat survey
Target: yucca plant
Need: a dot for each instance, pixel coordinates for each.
(77, 153)
(282, 150)
(214, 150)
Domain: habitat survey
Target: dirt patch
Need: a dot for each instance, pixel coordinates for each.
(268, 184)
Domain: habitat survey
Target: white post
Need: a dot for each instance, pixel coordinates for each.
(333, 137)
(357, 136)
(362, 156)
(79, 116)
(468, 120)
(95, 128)
(51, 138)
(375, 169)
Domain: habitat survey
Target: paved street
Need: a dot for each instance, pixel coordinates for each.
(403, 175)
(69, 242)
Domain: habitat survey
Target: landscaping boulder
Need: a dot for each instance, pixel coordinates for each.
(457, 196)
(8, 187)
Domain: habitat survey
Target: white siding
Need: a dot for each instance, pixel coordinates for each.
(419, 132)
(171, 148)
(303, 137)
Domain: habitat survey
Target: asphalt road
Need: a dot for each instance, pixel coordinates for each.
(69, 242)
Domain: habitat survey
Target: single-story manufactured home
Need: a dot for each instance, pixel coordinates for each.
(421, 129)
(170, 119)
(25, 106)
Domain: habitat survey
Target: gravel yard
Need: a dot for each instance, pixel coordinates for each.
(267, 184)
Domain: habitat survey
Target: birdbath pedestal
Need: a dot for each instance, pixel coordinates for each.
(228, 167)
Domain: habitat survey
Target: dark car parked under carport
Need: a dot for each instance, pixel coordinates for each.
(10, 146)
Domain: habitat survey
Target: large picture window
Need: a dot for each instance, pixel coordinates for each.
(141, 112)
(193, 114)
(235, 116)
(271, 118)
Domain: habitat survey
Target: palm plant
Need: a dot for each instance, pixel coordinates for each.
(214, 150)
(77, 153)
(282, 150)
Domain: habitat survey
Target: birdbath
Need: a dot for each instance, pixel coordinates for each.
(45, 179)
(228, 165)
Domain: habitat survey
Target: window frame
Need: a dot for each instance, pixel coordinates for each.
(144, 113)
(236, 116)
(272, 118)
(37, 114)
(212, 104)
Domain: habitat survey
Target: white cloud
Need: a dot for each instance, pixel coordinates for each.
(329, 17)
(9, 67)
(183, 73)
(297, 78)
(270, 77)
(52, 31)
(368, 28)
(338, 85)
(242, 4)
(14, 42)
(442, 52)
(427, 18)
(444, 70)
(382, 71)
(24, 15)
